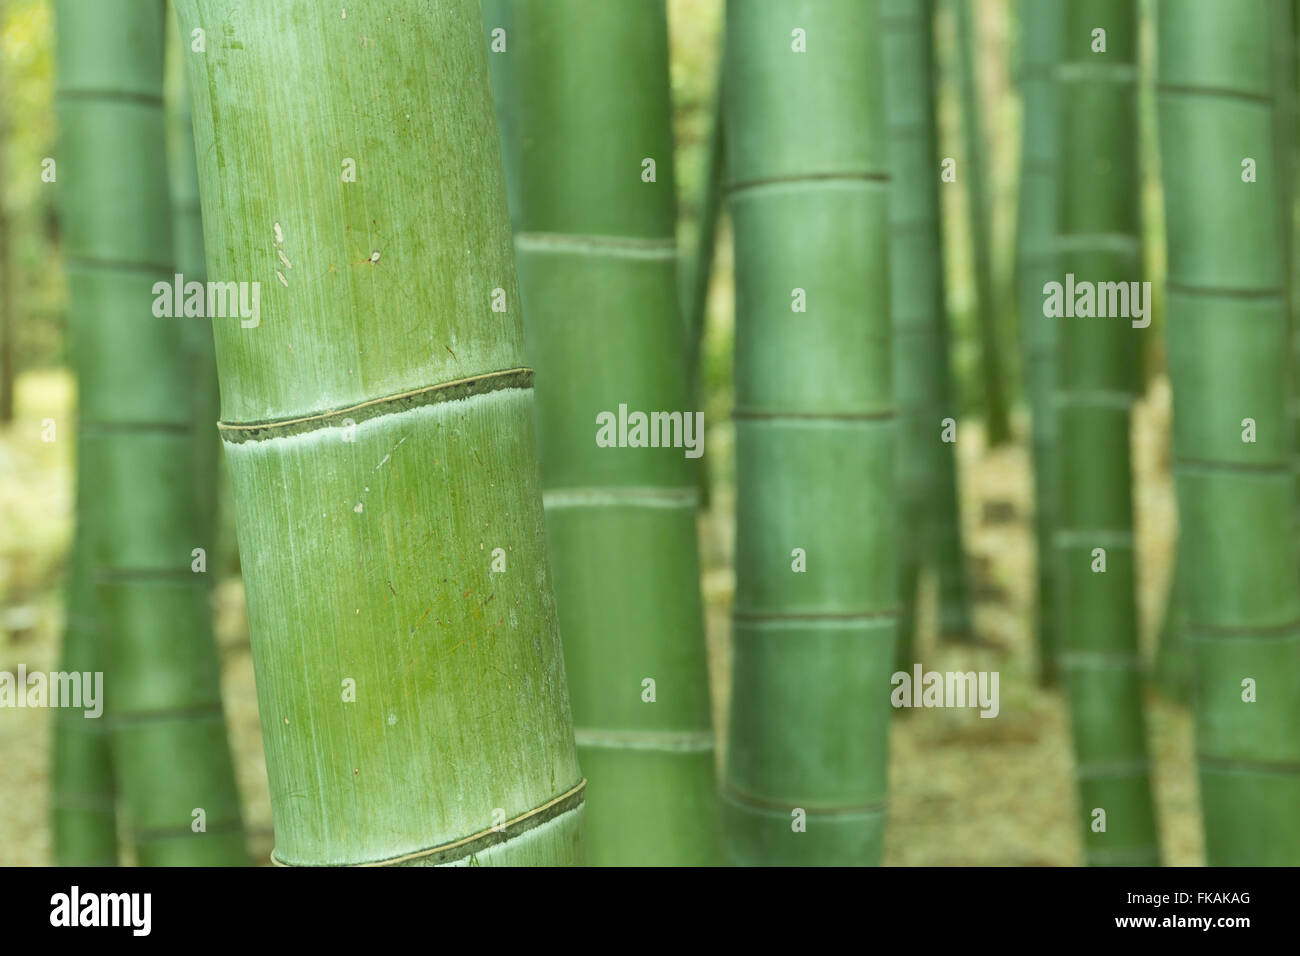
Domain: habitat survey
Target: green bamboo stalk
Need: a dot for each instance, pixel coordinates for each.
(947, 547)
(1099, 242)
(813, 649)
(596, 241)
(697, 269)
(196, 332)
(82, 790)
(696, 274)
(82, 798)
(499, 15)
(928, 510)
(1040, 36)
(170, 751)
(377, 419)
(1290, 95)
(1218, 106)
(1172, 670)
(1289, 99)
(976, 176)
(913, 282)
(1283, 58)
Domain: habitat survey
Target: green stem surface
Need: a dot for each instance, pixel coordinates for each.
(928, 507)
(378, 422)
(1036, 263)
(597, 267)
(987, 315)
(1099, 229)
(813, 649)
(170, 751)
(1238, 583)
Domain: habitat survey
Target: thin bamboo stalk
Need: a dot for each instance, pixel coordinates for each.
(170, 751)
(1172, 670)
(1239, 587)
(196, 331)
(498, 15)
(1035, 267)
(1099, 223)
(815, 421)
(596, 240)
(928, 510)
(696, 274)
(697, 271)
(987, 315)
(378, 425)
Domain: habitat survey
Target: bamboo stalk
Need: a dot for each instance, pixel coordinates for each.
(1172, 666)
(1099, 225)
(696, 274)
(378, 424)
(82, 798)
(987, 314)
(813, 649)
(928, 511)
(697, 271)
(196, 332)
(499, 15)
(1035, 267)
(596, 241)
(169, 742)
(1240, 592)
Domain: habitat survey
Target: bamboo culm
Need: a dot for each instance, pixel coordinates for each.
(815, 610)
(923, 386)
(595, 240)
(1239, 589)
(377, 416)
(498, 23)
(1099, 229)
(196, 333)
(697, 271)
(1035, 267)
(170, 753)
(987, 315)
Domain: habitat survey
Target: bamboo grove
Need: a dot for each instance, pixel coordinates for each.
(477, 338)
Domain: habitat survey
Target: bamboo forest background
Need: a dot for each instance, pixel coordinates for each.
(961, 790)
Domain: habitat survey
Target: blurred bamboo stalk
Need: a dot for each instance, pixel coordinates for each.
(597, 259)
(987, 311)
(930, 530)
(196, 332)
(1226, 168)
(697, 268)
(170, 752)
(696, 273)
(1036, 262)
(1099, 241)
(815, 611)
(498, 23)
